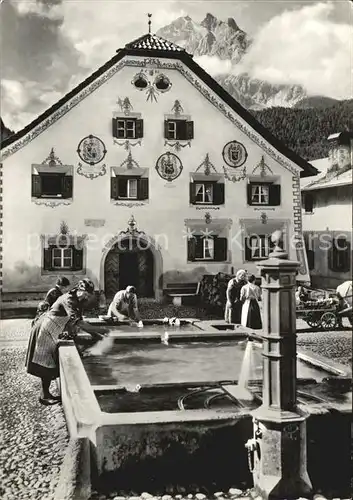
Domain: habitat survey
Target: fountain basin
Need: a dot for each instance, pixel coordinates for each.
(143, 441)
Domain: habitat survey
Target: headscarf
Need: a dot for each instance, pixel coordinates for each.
(240, 274)
(84, 285)
(130, 289)
(42, 307)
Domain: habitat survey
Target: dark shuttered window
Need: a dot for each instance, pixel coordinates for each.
(264, 194)
(181, 130)
(207, 248)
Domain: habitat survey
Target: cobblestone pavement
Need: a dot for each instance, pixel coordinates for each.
(34, 437)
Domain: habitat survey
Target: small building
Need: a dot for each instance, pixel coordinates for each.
(327, 215)
(148, 173)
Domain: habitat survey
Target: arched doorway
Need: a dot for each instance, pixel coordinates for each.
(130, 261)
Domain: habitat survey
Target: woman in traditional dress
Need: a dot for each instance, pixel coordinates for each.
(233, 306)
(62, 286)
(250, 294)
(42, 358)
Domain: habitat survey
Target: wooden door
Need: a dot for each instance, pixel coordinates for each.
(111, 274)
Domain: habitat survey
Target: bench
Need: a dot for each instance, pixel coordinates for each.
(178, 291)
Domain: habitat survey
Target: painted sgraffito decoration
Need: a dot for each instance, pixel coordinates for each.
(169, 166)
(160, 84)
(125, 105)
(92, 151)
(234, 154)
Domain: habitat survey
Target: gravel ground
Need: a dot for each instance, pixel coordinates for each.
(34, 437)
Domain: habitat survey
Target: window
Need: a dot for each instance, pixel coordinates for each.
(310, 253)
(339, 255)
(203, 193)
(260, 193)
(258, 247)
(308, 199)
(62, 258)
(178, 130)
(66, 258)
(127, 188)
(127, 128)
(133, 188)
(211, 193)
(51, 185)
(162, 83)
(207, 248)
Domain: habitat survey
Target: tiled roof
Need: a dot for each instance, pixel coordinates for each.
(326, 178)
(154, 42)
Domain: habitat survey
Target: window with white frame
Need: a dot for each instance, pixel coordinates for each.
(172, 130)
(62, 258)
(258, 247)
(260, 194)
(127, 188)
(126, 129)
(203, 193)
(208, 248)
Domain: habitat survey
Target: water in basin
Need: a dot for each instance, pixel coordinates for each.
(148, 363)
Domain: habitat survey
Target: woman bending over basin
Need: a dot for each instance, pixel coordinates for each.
(42, 358)
(124, 306)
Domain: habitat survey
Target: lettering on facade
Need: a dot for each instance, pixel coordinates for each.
(95, 222)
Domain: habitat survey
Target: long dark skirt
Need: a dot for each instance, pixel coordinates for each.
(233, 313)
(251, 316)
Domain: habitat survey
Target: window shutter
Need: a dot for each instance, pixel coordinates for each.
(189, 130)
(191, 249)
(220, 249)
(348, 254)
(249, 190)
(275, 195)
(166, 129)
(218, 193)
(198, 247)
(139, 129)
(47, 258)
(67, 186)
(192, 193)
(114, 188)
(115, 127)
(36, 186)
(142, 188)
(247, 249)
(77, 259)
(331, 255)
(308, 202)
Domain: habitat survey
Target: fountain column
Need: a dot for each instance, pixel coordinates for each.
(278, 448)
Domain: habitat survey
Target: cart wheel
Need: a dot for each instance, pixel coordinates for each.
(313, 320)
(328, 320)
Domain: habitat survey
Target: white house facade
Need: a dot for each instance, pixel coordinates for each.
(327, 215)
(147, 173)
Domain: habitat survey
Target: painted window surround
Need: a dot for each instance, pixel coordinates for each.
(214, 180)
(43, 169)
(141, 175)
(267, 185)
(77, 242)
(127, 117)
(252, 227)
(199, 229)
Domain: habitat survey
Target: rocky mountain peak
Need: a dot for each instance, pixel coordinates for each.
(232, 24)
(210, 22)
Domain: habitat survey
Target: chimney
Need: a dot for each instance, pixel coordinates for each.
(341, 151)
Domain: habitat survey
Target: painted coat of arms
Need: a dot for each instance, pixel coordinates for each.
(169, 166)
(234, 154)
(92, 151)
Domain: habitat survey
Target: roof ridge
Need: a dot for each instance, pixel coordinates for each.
(151, 41)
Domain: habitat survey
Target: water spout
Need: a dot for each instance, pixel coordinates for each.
(242, 390)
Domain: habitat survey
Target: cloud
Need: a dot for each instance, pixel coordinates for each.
(305, 47)
(214, 65)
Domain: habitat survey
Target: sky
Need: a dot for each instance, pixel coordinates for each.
(49, 46)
